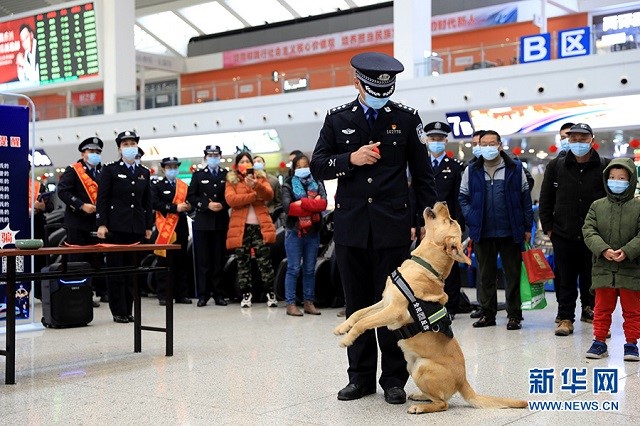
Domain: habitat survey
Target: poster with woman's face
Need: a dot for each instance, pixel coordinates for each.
(19, 53)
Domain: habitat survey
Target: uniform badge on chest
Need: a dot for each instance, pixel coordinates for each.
(394, 130)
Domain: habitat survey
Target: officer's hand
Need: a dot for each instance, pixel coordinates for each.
(413, 233)
(39, 206)
(147, 234)
(423, 232)
(102, 232)
(88, 208)
(365, 155)
(215, 207)
(183, 207)
(619, 255)
(527, 237)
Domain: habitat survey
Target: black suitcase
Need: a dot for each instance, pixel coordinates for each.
(67, 302)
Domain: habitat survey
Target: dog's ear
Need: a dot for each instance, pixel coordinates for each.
(453, 247)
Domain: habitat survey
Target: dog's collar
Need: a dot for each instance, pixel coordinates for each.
(426, 265)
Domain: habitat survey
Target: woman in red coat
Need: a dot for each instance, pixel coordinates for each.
(250, 227)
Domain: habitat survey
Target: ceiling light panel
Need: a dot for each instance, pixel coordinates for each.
(145, 43)
(211, 18)
(311, 8)
(260, 12)
(169, 28)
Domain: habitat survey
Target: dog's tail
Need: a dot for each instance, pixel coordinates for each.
(484, 401)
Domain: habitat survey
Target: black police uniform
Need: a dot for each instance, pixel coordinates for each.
(209, 230)
(39, 222)
(162, 194)
(372, 217)
(124, 207)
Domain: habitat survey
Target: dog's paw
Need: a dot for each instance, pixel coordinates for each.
(345, 342)
(414, 409)
(342, 329)
(419, 396)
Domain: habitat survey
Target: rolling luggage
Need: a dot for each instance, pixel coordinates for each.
(67, 302)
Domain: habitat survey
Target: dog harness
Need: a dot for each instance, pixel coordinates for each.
(427, 316)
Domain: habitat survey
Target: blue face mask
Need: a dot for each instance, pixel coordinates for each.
(213, 162)
(617, 186)
(564, 145)
(477, 152)
(302, 172)
(375, 103)
(489, 152)
(171, 174)
(129, 153)
(93, 158)
(580, 149)
(258, 166)
(436, 147)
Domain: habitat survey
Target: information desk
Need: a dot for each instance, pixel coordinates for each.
(97, 270)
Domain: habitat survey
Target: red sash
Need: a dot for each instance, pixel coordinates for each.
(89, 184)
(34, 191)
(167, 225)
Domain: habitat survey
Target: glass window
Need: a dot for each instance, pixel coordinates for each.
(310, 8)
(211, 18)
(145, 43)
(169, 28)
(260, 12)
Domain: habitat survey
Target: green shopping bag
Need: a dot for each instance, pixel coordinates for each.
(531, 295)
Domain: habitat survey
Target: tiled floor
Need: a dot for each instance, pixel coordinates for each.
(259, 366)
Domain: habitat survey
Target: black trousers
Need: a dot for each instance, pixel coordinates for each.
(487, 250)
(210, 249)
(178, 262)
(364, 273)
(120, 287)
(453, 288)
(79, 237)
(573, 260)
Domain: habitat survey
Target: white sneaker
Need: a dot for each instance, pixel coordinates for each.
(246, 300)
(271, 300)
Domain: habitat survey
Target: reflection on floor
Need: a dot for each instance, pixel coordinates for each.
(259, 366)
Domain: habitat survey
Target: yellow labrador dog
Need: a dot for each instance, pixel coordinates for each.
(434, 360)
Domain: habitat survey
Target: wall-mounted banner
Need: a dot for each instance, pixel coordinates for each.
(14, 195)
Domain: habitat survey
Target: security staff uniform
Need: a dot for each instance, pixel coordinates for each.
(372, 217)
(124, 207)
(209, 229)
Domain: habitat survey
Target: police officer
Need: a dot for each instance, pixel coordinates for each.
(366, 144)
(169, 200)
(139, 156)
(206, 195)
(78, 189)
(448, 172)
(123, 211)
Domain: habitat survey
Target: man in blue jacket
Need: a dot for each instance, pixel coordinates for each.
(496, 203)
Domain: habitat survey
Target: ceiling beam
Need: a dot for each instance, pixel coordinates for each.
(234, 13)
(188, 22)
(566, 5)
(169, 48)
(290, 9)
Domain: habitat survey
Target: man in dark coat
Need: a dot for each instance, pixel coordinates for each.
(367, 144)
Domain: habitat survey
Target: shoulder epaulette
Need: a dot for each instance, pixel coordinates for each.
(405, 108)
(115, 162)
(338, 108)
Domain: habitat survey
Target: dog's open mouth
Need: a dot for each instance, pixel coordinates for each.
(430, 213)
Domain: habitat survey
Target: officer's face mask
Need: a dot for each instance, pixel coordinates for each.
(129, 153)
(580, 149)
(436, 147)
(477, 152)
(564, 144)
(617, 186)
(489, 152)
(93, 158)
(373, 102)
(171, 174)
(213, 162)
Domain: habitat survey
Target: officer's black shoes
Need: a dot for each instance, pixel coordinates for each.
(184, 301)
(104, 298)
(96, 304)
(220, 301)
(395, 395)
(202, 301)
(120, 319)
(355, 391)
(476, 314)
(484, 322)
(514, 324)
(130, 318)
(162, 302)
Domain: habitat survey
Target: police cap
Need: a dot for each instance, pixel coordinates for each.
(377, 73)
(91, 143)
(127, 134)
(212, 149)
(581, 128)
(170, 161)
(437, 128)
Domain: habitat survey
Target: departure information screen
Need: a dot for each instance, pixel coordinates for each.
(51, 47)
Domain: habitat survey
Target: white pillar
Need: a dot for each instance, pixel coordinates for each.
(118, 51)
(411, 35)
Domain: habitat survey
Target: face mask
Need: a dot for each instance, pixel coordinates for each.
(617, 186)
(302, 172)
(213, 162)
(489, 152)
(436, 147)
(564, 145)
(580, 149)
(129, 153)
(375, 103)
(93, 159)
(476, 151)
(171, 174)
(258, 166)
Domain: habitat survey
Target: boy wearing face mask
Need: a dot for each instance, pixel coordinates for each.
(78, 189)
(496, 203)
(612, 232)
(448, 173)
(169, 200)
(206, 195)
(568, 189)
(124, 213)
